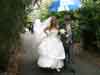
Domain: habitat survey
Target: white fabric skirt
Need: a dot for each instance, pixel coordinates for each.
(51, 53)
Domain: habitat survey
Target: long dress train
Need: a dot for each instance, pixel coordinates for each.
(51, 52)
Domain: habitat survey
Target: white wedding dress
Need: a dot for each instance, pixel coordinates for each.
(51, 51)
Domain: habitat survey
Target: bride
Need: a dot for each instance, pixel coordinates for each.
(51, 51)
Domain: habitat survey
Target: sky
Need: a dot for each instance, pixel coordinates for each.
(61, 5)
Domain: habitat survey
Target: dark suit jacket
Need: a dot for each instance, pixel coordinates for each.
(63, 36)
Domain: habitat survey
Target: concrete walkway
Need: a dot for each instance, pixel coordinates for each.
(29, 67)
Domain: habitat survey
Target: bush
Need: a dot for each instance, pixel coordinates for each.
(11, 24)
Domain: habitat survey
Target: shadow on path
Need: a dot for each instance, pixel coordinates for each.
(30, 55)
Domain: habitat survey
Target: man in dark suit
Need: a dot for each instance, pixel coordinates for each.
(65, 33)
(66, 38)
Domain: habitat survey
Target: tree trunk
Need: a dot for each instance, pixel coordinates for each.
(88, 40)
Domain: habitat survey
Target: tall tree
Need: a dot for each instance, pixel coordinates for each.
(12, 14)
(89, 21)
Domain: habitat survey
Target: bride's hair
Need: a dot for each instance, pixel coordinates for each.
(53, 23)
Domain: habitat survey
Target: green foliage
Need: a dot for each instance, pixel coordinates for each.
(89, 21)
(11, 24)
(90, 15)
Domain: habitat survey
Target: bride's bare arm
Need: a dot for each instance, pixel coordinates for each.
(45, 30)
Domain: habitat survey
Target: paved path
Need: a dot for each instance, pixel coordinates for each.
(30, 55)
